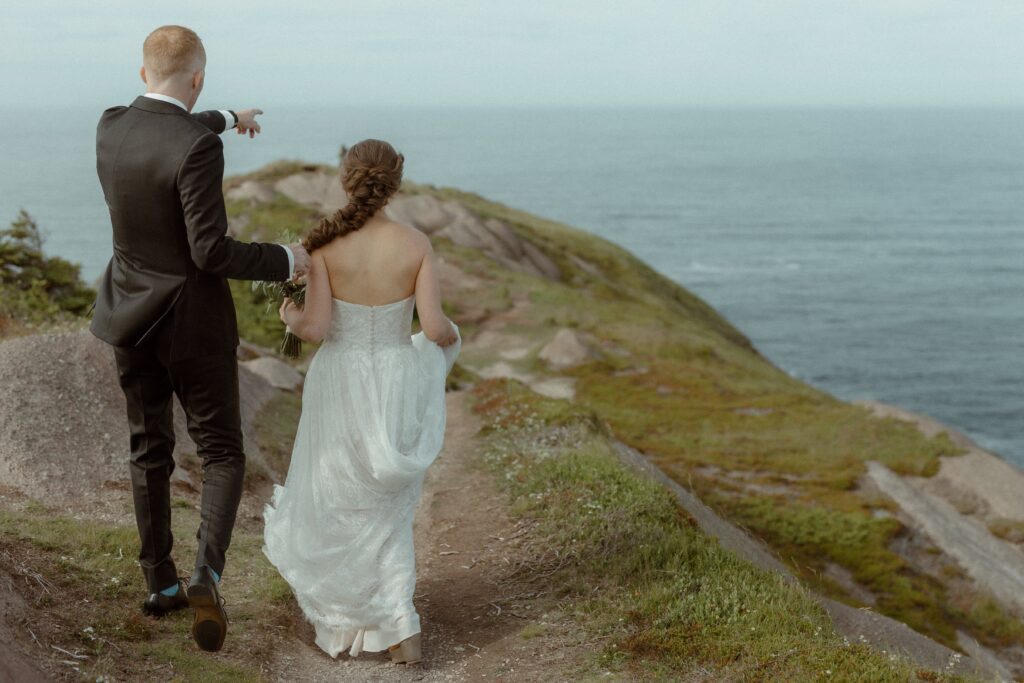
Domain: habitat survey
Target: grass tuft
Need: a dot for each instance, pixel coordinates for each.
(665, 598)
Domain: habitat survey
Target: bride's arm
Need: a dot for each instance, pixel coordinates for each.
(311, 322)
(434, 322)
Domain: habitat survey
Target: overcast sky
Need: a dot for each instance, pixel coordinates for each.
(639, 53)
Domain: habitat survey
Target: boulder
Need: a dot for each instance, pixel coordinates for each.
(275, 372)
(452, 220)
(315, 189)
(432, 216)
(535, 259)
(63, 428)
(421, 211)
(248, 350)
(251, 190)
(237, 225)
(565, 350)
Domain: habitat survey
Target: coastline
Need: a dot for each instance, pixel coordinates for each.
(844, 498)
(978, 482)
(669, 229)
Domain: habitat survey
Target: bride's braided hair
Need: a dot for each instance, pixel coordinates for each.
(370, 173)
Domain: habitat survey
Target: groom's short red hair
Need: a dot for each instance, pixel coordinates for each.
(171, 51)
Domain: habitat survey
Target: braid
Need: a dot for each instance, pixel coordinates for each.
(371, 173)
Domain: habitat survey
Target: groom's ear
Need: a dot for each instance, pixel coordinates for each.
(142, 75)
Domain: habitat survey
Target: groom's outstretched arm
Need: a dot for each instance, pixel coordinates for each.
(221, 120)
(217, 121)
(206, 222)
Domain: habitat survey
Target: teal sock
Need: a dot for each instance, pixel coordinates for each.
(216, 576)
(173, 590)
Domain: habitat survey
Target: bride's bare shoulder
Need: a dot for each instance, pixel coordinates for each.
(409, 237)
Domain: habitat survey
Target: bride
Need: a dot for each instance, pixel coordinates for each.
(373, 418)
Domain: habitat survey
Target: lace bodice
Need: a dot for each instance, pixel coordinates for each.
(356, 327)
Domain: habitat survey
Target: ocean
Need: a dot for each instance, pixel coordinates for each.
(873, 253)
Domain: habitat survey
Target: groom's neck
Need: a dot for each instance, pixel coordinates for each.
(181, 93)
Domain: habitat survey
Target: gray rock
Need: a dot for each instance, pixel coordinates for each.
(315, 189)
(464, 228)
(237, 225)
(565, 350)
(880, 632)
(251, 190)
(63, 429)
(982, 654)
(420, 211)
(247, 350)
(995, 565)
(543, 265)
(277, 373)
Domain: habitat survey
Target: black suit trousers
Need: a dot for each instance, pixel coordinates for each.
(207, 387)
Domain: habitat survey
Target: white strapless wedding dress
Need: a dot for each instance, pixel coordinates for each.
(340, 529)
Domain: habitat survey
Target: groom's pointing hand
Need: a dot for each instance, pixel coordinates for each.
(247, 122)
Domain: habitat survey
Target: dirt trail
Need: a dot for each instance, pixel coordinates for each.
(472, 616)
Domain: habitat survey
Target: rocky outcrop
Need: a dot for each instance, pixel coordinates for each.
(317, 190)
(63, 430)
(438, 218)
(275, 372)
(424, 212)
(251, 191)
(995, 565)
(565, 350)
(879, 631)
(452, 220)
(982, 483)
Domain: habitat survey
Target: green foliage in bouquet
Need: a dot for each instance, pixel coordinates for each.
(275, 293)
(35, 288)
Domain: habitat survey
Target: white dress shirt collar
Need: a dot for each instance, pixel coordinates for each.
(165, 98)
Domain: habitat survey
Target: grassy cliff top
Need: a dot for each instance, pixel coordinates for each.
(572, 346)
(666, 374)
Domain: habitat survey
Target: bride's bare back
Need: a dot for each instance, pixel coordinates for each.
(380, 263)
(376, 264)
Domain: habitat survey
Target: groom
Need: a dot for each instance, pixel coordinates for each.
(165, 306)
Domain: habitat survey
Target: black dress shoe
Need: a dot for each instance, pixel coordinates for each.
(211, 622)
(158, 604)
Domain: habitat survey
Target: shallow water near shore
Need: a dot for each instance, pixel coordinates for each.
(876, 254)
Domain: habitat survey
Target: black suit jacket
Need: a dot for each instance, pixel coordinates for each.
(161, 169)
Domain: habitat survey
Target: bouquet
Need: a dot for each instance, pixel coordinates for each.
(276, 293)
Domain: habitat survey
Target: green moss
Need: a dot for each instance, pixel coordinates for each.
(103, 555)
(855, 540)
(1011, 530)
(532, 631)
(257, 320)
(281, 220)
(460, 377)
(185, 664)
(984, 615)
(664, 597)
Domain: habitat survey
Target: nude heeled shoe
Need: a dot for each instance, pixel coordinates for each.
(408, 651)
